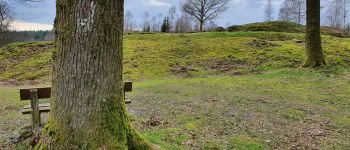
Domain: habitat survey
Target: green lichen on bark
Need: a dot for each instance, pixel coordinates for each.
(110, 129)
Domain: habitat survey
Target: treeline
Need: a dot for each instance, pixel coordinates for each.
(334, 13)
(175, 21)
(26, 36)
(8, 36)
(191, 16)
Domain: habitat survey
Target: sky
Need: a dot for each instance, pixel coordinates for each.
(40, 15)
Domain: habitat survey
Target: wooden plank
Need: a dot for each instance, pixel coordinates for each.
(42, 93)
(127, 101)
(35, 109)
(26, 111)
(45, 108)
(40, 105)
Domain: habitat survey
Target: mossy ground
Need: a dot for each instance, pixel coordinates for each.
(241, 90)
(165, 56)
(283, 109)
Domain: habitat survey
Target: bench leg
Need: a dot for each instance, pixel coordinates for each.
(35, 109)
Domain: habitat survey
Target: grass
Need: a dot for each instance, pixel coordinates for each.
(265, 111)
(26, 61)
(258, 111)
(274, 26)
(185, 55)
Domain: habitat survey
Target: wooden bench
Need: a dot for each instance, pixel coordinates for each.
(35, 94)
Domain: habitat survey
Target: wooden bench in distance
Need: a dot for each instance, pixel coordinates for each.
(44, 93)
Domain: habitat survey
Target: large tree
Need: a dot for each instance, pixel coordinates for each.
(314, 53)
(87, 107)
(204, 10)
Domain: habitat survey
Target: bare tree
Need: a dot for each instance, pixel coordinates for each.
(154, 24)
(160, 21)
(146, 22)
(337, 13)
(204, 10)
(269, 11)
(6, 17)
(128, 21)
(293, 10)
(346, 10)
(211, 26)
(172, 18)
(183, 24)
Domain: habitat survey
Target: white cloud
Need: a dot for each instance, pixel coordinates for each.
(158, 3)
(25, 26)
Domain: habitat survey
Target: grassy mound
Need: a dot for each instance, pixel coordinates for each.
(282, 26)
(25, 61)
(274, 26)
(163, 56)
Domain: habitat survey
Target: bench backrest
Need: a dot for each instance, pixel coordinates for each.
(44, 93)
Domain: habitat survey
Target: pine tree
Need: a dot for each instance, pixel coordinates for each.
(166, 25)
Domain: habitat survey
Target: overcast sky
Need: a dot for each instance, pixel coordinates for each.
(40, 15)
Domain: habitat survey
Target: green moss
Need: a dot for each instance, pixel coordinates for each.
(21, 146)
(212, 145)
(243, 142)
(294, 114)
(167, 138)
(26, 61)
(109, 131)
(191, 126)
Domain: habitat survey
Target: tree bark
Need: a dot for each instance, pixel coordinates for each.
(314, 53)
(87, 106)
(201, 23)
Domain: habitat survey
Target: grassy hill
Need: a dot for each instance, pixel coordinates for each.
(225, 90)
(163, 56)
(282, 26)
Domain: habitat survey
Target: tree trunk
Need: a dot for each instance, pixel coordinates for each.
(201, 23)
(299, 12)
(314, 53)
(87, 106)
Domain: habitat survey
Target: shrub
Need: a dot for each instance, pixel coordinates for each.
(219, 29)
(234, 28)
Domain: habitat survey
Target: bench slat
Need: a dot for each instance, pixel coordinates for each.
(41, 110)
(45, 108)
(40, 105)
(44, 93)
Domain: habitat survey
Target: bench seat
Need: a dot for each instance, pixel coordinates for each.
(45, 108)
